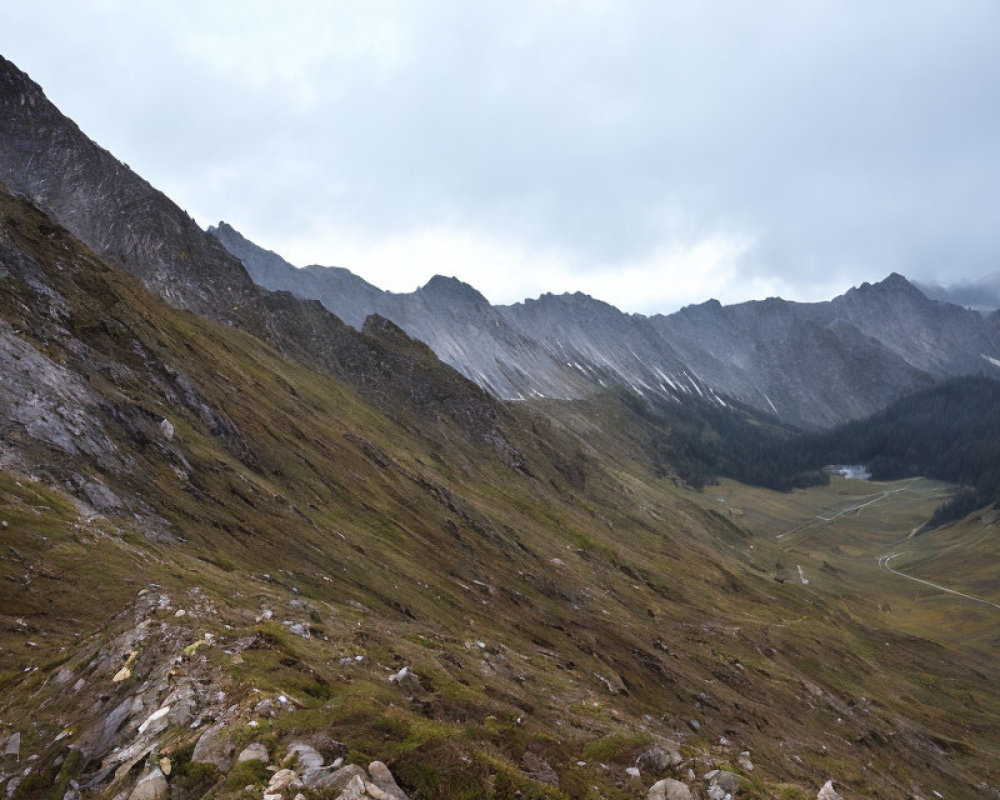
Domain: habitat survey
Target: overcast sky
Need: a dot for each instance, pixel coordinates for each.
(651, 154)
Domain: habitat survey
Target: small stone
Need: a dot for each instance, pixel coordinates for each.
(122, 675)
(633, 772)
(167, 429)
(13, 746)
(694, 725)
(383, 779)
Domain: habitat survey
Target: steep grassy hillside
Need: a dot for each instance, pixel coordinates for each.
(198, 524)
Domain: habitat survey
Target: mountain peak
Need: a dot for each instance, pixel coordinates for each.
(452, 289)
(893, 284)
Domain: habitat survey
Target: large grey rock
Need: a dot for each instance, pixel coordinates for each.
(337, 780)
(253, 752)
(281, 780)
(151, 786)
(306, 756)
(722, 784)
(659, 759)
(214, 747)
(407, 681)
(383, 779)
(669, 789)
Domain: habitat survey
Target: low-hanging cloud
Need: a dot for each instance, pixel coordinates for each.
(648, 151)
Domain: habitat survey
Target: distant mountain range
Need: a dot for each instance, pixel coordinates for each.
(809, 364)
(982, 294)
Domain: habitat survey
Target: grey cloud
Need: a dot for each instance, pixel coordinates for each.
(850, 137)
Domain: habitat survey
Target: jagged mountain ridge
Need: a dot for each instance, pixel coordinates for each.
(553, 347)
(45, 157)
(809, 364)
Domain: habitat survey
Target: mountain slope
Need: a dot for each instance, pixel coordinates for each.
(315, 546)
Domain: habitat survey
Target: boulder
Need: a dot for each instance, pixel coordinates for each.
(669, 789)
(335, 781)
(658, 759)
(407, 681)
(383, 779)
(151, 786)
(728, 782)
(306, 756)
(12, 747)
(253, 752)
(214, 747)
(281, 780)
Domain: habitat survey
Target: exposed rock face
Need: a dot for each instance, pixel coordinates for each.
(151, 786)
(214, 747)
(810, 364)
